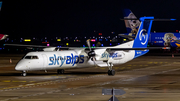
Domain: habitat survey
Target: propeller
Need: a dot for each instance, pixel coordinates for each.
(91, 53)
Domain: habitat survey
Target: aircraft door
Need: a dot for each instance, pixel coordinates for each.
(44, 61)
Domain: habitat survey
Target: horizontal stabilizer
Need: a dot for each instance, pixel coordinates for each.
(130, 19)
(151, 19)
(149, 48)
(126, 36)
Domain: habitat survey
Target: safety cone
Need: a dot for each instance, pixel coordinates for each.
(172, 55)
(10, 61)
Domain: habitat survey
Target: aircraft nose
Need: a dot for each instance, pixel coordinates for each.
(19, 66)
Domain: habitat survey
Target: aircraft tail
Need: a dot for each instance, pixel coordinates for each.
(143, 33)
(131, 25)
(3, 36)
(0, 5)
(142, 36)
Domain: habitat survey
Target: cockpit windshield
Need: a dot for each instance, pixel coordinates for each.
(31, 57)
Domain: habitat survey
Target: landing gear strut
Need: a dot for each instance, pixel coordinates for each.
(111, 71)
(24, 73)
(60, 71)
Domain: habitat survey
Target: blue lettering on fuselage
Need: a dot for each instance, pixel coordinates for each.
(73, 59)
(107, 55)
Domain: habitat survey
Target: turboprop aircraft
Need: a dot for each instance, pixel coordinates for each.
(81, 58)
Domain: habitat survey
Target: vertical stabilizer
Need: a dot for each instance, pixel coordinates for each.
(0, 5)
(143, 33)
(131, 25)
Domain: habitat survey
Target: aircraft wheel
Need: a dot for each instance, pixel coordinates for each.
(24, 73)
(111, 72)
(60, 71)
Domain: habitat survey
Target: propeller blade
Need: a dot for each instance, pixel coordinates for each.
(88, 43)
(94, 60)
(91, 53)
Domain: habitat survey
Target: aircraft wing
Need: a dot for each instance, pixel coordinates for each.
(52, 48)
(48, 48)
(45, 48)
(24, 45)
(111, 48)
(32, 46)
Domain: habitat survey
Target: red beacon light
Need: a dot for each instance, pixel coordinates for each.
(100, 33)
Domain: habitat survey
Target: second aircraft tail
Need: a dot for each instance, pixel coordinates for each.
(131, 25)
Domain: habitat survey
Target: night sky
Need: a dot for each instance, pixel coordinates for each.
(81, 17)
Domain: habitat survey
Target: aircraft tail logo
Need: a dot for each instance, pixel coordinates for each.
(131, 25)
(143, 33)
(143, 36)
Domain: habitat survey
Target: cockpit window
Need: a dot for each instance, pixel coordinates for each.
(34, 57)
(27, 57)
(31, 57)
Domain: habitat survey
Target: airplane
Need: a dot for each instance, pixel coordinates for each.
(54, 59)
(2, 36)
(159, 39)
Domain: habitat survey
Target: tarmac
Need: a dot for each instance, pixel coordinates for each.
(146, 78)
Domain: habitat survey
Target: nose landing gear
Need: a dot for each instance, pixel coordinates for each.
(24, 73)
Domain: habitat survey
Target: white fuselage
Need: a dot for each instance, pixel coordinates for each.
(70, 59)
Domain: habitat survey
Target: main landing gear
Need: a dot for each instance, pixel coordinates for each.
(111, 72)
(60, 71)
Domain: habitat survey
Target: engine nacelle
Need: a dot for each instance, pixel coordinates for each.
(50, 49)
